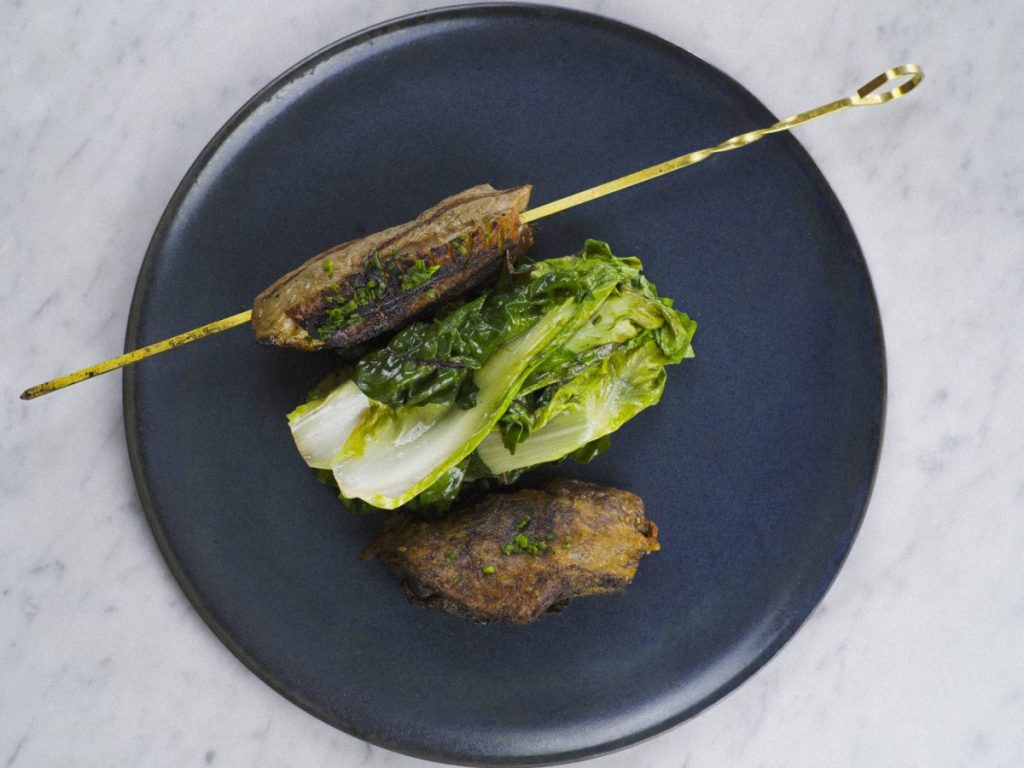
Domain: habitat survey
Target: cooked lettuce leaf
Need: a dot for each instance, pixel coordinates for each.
(584, 409)
(631, 319)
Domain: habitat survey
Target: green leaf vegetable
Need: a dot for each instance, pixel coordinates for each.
(541, 367)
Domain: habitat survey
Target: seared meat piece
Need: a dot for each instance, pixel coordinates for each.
(362, 288)
(514, 556)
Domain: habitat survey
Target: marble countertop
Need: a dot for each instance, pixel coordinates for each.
(916, 655)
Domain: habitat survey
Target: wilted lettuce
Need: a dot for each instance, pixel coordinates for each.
(539, 368)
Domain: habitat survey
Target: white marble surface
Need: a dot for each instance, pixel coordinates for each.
(915, 657)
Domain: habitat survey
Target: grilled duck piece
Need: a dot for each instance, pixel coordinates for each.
(512, 557)
(366, 287)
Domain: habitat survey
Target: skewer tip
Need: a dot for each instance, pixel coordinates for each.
(134, 356)
(39, 389)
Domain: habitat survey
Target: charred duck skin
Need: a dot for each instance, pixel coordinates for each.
(513, 557)
(366, 287)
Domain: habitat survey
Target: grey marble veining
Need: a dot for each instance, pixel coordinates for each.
(916, 655)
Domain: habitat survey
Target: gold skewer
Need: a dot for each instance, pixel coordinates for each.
(865, 96)
(135, 355)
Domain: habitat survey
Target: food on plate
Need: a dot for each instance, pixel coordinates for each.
(515, 556)
(363, 288)
(540, 367)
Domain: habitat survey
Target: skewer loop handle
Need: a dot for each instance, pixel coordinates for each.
(866, 93)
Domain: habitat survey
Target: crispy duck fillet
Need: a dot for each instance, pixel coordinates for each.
(366, 287)
(512, 557)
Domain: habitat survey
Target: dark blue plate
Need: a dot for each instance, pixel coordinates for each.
(757, 465)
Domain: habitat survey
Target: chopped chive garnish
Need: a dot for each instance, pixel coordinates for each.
(418, 274)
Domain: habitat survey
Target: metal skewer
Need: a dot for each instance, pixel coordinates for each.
(865, 96)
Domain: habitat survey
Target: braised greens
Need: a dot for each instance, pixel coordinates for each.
(541, 367)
